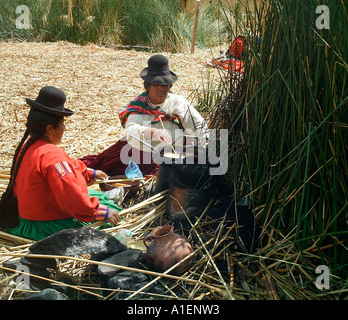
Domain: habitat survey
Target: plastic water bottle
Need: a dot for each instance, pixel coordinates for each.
(124, 236)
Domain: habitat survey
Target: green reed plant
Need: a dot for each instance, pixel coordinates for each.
(288, 127)
(164, 26)
(151, 23)
(94, 21)
(158, 25)
(8, 18)
(211, 29)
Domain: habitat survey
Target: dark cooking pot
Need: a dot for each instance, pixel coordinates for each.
(191, 186)
(191, 189)
(163, 177)
(170, 160)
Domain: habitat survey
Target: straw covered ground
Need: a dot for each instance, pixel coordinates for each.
(97, 81)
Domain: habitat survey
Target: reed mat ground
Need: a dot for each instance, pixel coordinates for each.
(97, 81)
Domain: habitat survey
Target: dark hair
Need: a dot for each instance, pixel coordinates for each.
(37, 122)
(146, 86)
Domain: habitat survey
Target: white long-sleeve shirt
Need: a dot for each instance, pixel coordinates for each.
(191, 120)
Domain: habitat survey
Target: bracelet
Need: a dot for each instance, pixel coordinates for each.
(106, 214)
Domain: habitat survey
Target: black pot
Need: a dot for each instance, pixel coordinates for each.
(191, 187)
(164, 176)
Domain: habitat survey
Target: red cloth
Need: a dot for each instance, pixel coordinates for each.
(110, 162)
(232, 62)
(236, 49)
(51, 186)
(232, 65)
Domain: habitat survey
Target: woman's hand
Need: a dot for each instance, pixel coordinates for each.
(158, 135)
(100, 175)
(113, 217)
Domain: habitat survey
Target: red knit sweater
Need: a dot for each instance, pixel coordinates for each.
(51, 186)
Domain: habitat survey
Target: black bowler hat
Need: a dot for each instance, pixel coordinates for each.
(50, 100)
(158, 71)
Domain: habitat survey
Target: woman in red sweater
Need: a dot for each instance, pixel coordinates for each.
(50, 187)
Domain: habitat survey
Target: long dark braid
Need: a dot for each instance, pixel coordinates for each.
(17, 162)
(36, 127)
(19, 147)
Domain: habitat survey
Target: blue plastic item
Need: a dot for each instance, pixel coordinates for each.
(133, 171)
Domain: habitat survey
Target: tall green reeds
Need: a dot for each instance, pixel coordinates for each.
(94, 21)
(153, 24)
(289, 128)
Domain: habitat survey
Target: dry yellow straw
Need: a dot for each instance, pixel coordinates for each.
(206, 250)
(159, 196)
(117, 180)
(15, 238)
(109, 265)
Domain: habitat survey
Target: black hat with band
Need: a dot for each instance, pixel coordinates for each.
(50, 100)
(158, 71)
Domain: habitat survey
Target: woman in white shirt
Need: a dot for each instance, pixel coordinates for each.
(158, 117)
